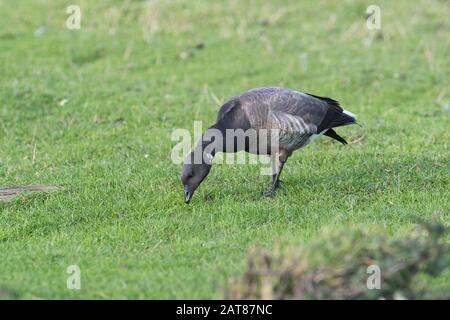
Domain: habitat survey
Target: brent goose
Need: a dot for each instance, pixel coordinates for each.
(297, 118)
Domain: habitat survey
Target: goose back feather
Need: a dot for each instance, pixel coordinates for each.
(299, 117)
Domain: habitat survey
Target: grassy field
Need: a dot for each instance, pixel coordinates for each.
(93, 110)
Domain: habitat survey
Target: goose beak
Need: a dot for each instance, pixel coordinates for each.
(187, 195)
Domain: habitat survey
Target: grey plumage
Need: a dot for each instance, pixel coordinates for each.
(297, 115)
(298, 118)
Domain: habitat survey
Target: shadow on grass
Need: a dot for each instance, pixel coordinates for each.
(365, 176)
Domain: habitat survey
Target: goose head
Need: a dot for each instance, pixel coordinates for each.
(194, 173)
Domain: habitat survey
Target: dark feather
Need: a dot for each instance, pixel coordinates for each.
(335, 116)
(329, 101)
(332, 134)
(228, 107)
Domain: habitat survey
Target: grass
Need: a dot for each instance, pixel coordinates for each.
(93, 110)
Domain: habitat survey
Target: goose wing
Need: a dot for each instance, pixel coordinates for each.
(314, 113)
(285, 109)
(289, 110)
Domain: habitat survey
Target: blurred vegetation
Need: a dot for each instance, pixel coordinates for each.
(339, 264)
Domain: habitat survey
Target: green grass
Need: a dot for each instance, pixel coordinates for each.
(121, 215)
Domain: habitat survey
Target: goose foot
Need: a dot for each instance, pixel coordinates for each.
(273, 189)
(269, 193)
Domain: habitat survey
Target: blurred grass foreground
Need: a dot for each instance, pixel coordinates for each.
(339, 266)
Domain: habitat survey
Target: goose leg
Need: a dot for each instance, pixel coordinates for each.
(278, 183)
(276, 177)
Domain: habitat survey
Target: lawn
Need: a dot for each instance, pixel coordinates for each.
(93, 110)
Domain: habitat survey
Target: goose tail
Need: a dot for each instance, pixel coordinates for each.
(343, 119)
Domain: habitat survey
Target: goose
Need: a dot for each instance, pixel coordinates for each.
(298, 118)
